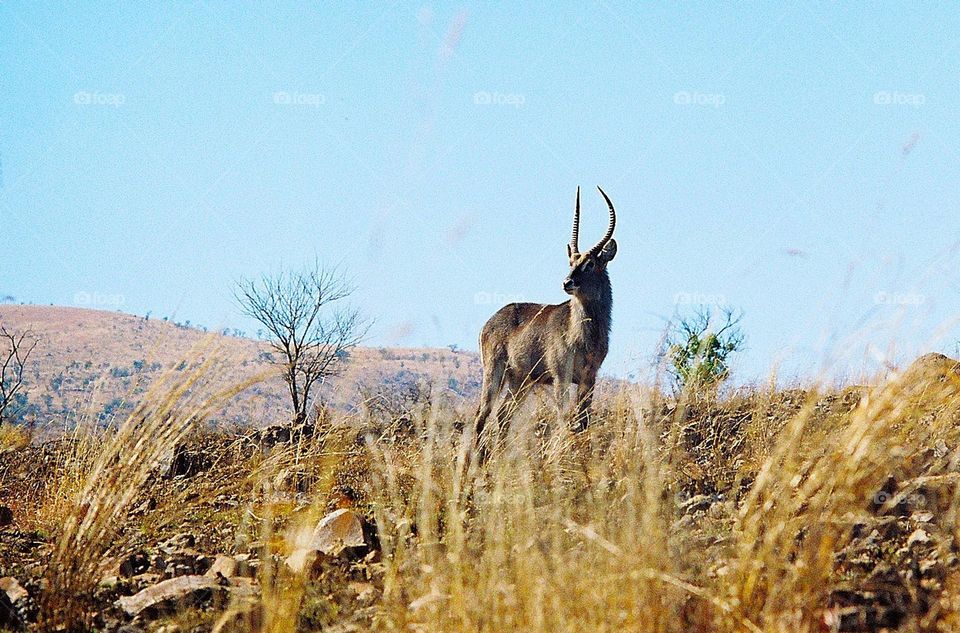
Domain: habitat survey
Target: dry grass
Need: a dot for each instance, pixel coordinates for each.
(593, 532)
(13, 437)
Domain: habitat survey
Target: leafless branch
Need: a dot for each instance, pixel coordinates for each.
(305, 324)
(15, 350)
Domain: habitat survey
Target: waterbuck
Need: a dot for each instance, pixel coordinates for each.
(529, 344)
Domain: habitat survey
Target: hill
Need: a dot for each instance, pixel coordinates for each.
(93, 366)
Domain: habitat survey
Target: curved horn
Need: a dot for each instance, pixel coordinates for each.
(613, 223)
(576, 226)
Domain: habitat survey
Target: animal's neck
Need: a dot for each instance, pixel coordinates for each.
(591, 315)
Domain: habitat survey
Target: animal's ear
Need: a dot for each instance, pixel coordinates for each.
(609, 251)
(569, 252)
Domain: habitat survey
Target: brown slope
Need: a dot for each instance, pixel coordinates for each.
(93, 365)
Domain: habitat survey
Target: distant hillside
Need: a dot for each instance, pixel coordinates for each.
(94, 365)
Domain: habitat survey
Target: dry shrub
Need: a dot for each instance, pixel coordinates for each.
(122, 465)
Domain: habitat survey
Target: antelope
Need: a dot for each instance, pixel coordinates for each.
(529, 344)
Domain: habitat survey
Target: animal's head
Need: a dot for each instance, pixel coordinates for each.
(588, 270)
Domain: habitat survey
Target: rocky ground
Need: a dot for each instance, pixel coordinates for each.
(230, 528)
(189, 554)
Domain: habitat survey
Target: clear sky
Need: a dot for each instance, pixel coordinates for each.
(797, 162)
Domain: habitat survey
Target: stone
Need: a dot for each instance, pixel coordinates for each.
(918, 536)
(185, 562)
(183, 540)
(337, 531)
(225, 566)
(14, 590)
(183, 462)
(13, 602)
(133, 564)
(364, 592)
(247, 565)
(166, 596)
(697, 503)
(305, 560)
(147, 579)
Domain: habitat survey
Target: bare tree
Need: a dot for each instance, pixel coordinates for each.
(305, 323)
(15, 350)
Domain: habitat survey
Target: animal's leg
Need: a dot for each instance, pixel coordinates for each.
(584, 400)
(516, 391)
(560, 392)
(492, 384)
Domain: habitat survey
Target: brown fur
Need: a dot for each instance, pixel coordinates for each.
(528, 344)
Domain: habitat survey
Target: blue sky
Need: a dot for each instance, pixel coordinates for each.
(797, 162)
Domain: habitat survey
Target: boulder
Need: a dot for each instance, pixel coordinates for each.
(308, 561)
(247, 565)
(133, 564)
(225, 566)
(13, 602)
(337, 531)
(184, 462)
(185, 562)
(13, 590)
(341, 531)
(167, 596)
(180, 541)
(6, 516)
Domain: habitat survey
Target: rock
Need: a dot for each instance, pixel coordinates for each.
(132, 565)
(166, 596)
(183, 540)
(697, 502)
(337, 531)
(940, 449)
(146, 580)
(334, 534)
(305, 560)
(14, 590)
(6, 516)
(919, 536)
(861, 618)
(184, 462)
(109, 582)
(247, 565)
(364, 592)
(13, 602)
(225, 566)
(185, 562)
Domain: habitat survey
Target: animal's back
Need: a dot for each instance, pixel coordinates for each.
(508, 319)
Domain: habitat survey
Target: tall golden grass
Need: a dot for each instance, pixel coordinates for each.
(567, 532)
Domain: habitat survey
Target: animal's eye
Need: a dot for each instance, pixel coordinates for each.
(588, 266)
